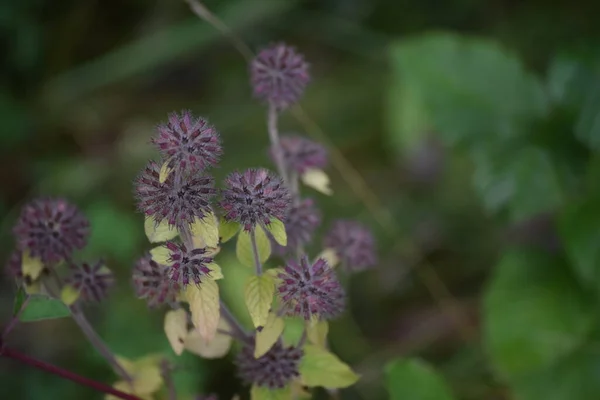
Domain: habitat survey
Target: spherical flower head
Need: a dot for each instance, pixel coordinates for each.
(353, 243)
(179, 199)
(310, 290)
(190, 143)
(255, 197)
(300, 224)
(274, 370)
(51, 229)
(187, 265)
(279, 75)
(301, 154)
(151, 282)
(92, 281)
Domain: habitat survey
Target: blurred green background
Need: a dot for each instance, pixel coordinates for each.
(464, 132)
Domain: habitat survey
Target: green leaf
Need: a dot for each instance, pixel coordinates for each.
(244, 250)
(262, 393)
(161, 255)
(19, 300)
(40, 307)
(534, 313)
(277, 229)
(227, 229)
(259, 293)
(415, 380)
(316, 332)
(268, 335)
(207, 230)
(322, 368)
(587, 126)
(204, 307)
(161, 232)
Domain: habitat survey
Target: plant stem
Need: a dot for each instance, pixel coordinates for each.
(165, 371)
(236, 328)
(98, 343)
(257, 263)
(272, 116)
(63, 373)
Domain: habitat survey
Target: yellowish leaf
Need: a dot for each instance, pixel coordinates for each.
(274, 273)
(161, 232)
(204, 307)
(69, 294)
(215, 271)
(259, 293)
(266, 338)
(176, 329)
(165, 171)
(329, 255)
(244, 251)
(318, 180)
(227, 229)
(206, 229)
(33, 288)
(319, 367)
(145, 374)
(299, 392)
(216, 348)
(263, 393)
(277, 229)
(161, 255)
(31, 266)
(316, 332)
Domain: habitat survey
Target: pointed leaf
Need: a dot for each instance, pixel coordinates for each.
(413, 379)
(277, 229)
(216, 348)
(20, 298)
(204, 307)
(318, 180)
(227, 229)
(215, 271)
(317, 332)
(244, 250)
(31, 266)
(69, 294)
(263, 393)
(207, 229)
(161, 232)
(161, 255)
(176, 329)
(42, 307)
(266, 338)
(322, 368)
(259, 293)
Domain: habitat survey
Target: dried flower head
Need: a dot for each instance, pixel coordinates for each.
(92, 281)
(353, 243)
(279, 75)
(310, 290)
(187, 265)
(300, 225)
(300, 153)
(273, 370)
(151, 282)
(254, 197)
(190, 143)
(179, 199)
(51, 229)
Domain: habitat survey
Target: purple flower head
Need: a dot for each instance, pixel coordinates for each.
(91, 280)
(151, 282)
(300, 153)
(310, 290)
(178, 200)
(279, 75)
(300, 224)
(273, 370)
(353, 243)
(51, 229)
(191, 143)
(188, 266)
(13, 266)
(254, 197)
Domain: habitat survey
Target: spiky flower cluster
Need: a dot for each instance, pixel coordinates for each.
(51, 229)
(92, 281)
(310, 290)
(13, 267)
(187, 265)
(151, 282)
(301, 154)
(254, 197)
(353, 243)
(279, 75)
(274, 370)
(300, 224)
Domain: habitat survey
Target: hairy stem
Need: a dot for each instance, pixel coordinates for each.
(272, 117)
(63, 373)
(165, 371)
(237, 330)
(257, 263)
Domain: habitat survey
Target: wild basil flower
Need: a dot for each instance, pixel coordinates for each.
(187, 265)
(254, 197)
(190, 143)
(300, 225)
(353, 243)
(151, 282)
(92, 281)
(279, 75)
(51, 229)
(274, 370)
(179, 199)
(310, 290)
(300, 153)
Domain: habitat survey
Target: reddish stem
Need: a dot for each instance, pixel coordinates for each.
(63, 373)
